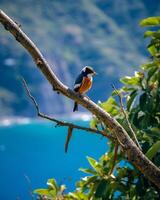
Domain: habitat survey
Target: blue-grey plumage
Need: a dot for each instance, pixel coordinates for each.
(83, 82)
(78, 82)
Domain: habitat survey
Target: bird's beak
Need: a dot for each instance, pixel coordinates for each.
(95, 73)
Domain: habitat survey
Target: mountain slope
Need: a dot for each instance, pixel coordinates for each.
(70, 34)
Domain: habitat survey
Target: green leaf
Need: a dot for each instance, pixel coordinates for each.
(155, 130)
(116, 92)
(146, 102)
(94, 122)
(142, 101)
(95, 165)
(62, 189)
(147, 138)
(131, 99)
(88, 171)
(52, 193)
(78, 196)
(89, 179)
(155, 34)
(153, 150)
(150, 21)
(130, 80)
(110, 106)
(74, 195)
(41, 192)
(151, 72)
(101, 189)
(52, 184)
(148, 66)
(152, 50)
(86, 182)
(110, 101)
(122, 90)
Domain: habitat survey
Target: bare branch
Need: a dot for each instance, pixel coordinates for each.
(134, 154)
(126, 117)
(60, 122)
(30, 96)
(69, 135)
(29, 186)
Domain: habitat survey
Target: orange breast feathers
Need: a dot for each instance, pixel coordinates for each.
(86, 85)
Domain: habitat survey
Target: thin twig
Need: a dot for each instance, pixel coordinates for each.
(115, 158)
(69, 135)
(126, 117)
(60, 122)
(30, 186)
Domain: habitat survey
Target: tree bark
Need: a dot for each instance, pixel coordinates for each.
(134, 154)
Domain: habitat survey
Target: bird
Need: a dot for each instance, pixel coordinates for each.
(83, 82)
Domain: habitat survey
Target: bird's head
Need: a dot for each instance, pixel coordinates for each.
(88, 71)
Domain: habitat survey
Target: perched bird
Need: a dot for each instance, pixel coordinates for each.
(83, 82)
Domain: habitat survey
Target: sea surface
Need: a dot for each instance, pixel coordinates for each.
(35, 151)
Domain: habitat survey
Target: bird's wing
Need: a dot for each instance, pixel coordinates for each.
(78, 82)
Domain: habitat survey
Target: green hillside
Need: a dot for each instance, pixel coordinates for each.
(70, 34)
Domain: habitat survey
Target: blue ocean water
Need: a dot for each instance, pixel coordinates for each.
(36, 150)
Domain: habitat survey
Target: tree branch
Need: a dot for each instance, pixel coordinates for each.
(126, 117)
(69, 135)
(134, 154)
(60, 122)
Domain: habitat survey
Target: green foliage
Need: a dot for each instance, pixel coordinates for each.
(127, 80)
(153, 150)
(93, 123)
(52, 192)
(150, 21)
(142, 95)
(152, 34)
(110, 106)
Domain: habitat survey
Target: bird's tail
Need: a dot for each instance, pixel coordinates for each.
(75, 107)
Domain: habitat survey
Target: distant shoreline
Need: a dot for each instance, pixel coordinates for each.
(15, 120)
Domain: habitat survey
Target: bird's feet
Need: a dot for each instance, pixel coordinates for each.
(84, 95)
